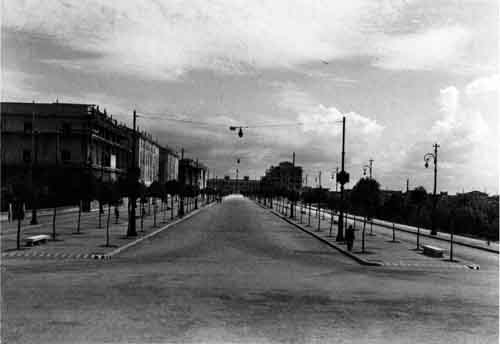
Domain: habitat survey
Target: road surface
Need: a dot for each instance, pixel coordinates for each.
(234, 273)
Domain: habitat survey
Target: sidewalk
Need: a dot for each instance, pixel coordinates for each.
(458, 239)
(90, 243)
(380, 250)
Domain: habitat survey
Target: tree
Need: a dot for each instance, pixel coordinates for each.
(58, 193)
(85, 191)
(365, 195)
(109, 195)
(418, 197)
(155, 190)
(172, 188)
(20, 193)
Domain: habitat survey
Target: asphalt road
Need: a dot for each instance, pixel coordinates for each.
(234, 273)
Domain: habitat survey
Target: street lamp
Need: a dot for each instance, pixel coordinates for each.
(428, 157)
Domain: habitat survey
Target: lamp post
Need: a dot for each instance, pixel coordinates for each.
(434, 157)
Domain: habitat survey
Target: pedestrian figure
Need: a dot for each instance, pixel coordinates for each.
(117, 214)
(349, 237)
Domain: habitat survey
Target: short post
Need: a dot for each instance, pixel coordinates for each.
(393, 232)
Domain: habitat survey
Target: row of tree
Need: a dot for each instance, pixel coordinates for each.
(62, 191)
(460, 214)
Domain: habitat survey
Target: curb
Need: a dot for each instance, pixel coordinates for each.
(59, 255)
(345, 252)
(135, 242)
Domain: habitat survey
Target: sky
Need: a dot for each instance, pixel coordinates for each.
(405, 73)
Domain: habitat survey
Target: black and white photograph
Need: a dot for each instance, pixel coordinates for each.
(235, 171)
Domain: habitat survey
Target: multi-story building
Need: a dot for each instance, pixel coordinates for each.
(60, 139)
(148, 153)
(169, 165)
(192, 172)
(285, 175)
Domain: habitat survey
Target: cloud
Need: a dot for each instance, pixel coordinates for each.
(435, 48)
(483, 85)
(327, 120)
(165, 39)
(460, 125)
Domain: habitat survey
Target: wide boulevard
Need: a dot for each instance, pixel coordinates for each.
(236, 273)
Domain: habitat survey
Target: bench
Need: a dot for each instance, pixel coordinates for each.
(36, 239)
(432, 251)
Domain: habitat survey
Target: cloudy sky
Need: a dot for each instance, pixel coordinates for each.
(405, 73)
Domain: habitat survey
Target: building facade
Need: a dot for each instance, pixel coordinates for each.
(227, 186)
(40, 140)
(169, 165)
(285, 175)
(192, 172)
(148, 153)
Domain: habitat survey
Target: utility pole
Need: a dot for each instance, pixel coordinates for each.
(34, 161)
(343, 178)
(293, 187)
(407, 185)
(336, 181)
(133, 176)
(319, 201)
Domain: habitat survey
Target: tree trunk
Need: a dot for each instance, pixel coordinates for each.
(100, 214)
(309, 216)
(418, 229)
(79, 217)
(107, 225)
(154, 213)
(19, 233)
(171, 207)
(331, 221)
(143, 210)
(54, 224)
(363, 236)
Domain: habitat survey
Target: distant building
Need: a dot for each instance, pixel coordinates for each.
(228, 186)
(193, 172)
(285, 175)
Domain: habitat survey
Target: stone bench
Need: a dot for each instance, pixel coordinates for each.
(432, 251)
(36, 239)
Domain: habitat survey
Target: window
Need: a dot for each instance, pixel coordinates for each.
(65, 155)
(27, 155)
(28, 127)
